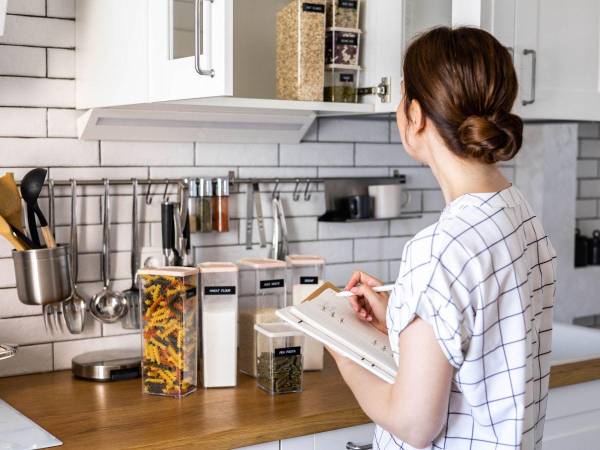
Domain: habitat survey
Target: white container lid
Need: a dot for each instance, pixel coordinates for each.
(263, 263)
(277, 329)
(212, 267)
(169, 271)
(305, 260)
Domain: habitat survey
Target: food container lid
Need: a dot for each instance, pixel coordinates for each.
(305, 260)
(276, 329)
(205, 187)
(263, 263)
(211, 267)
(169, 271)
(345, 30)
(221, 187)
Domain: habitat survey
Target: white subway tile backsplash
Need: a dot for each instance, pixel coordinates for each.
(22, 61)
(433, 200)
(383, 155)
(274, 172)
(30, 330)
(342, 172)
(334, 251)
(61, 8)
(229, 155)
(27, 7)
(339, 274)
(46, 152)
(183, 172)
(318, 153)
(589, 130)
(587, 168)
(21, 91)
(39, 32)
(88, 210)
(7, 274)
(354, 130)
(63, 122)
(61, 63)
(90, 236)
(114, 153)
(64, 352)
(589, 188)
(331, 230)
(12, 306)
(22, 122)
(379, 248)
(587, 209)
(98, 173)
(29, 359)
(588, 226)
(589, 148)
(417, 177)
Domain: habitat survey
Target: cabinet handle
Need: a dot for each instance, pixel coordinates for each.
(533, 70)
(353, 446)
(199, 34)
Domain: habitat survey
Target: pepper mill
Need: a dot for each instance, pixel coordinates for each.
(594, 249)
(581, 249)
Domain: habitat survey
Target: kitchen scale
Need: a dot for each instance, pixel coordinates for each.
(108, 365)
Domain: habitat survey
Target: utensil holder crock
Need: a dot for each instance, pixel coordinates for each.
(43, 276)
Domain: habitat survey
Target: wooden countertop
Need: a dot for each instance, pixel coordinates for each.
(100, 416)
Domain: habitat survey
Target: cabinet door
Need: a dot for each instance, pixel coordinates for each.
(337, 439)
(266, 446)
(567, 76)
(171, 50)
(298, 443)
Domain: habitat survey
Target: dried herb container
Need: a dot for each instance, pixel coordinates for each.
(300, 50)
(262, 292)
(343, 13)
(220, 205)
(204, 205)
(279, 358)
(342, 46)
(170, 330)
(341, 85)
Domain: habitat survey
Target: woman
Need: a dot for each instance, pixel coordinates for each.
(470, 316)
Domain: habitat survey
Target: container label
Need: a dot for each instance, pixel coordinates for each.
(350, 4)
(191, 292)
(346, 39)
(313, 7)
(347, 77)
(309, 280)
(288, 351)
(219, 290)
(271, 284)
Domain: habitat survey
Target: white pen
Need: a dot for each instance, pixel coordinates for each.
(384, 288)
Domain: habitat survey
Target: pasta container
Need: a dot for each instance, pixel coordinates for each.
(342, 46)
(279, 358)
(305, 274)
(219, 323)
(262, 292)
(343, 13)
(341, 85)
(170, 330)
(300, 50)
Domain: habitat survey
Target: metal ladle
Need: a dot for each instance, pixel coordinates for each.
(74, 307)
(107, 305)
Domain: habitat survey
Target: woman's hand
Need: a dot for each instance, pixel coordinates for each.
(368, 305)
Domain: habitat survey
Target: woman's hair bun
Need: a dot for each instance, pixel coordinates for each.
(493, 138)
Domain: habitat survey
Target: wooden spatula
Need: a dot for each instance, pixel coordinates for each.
(10, 201)
(6, 232)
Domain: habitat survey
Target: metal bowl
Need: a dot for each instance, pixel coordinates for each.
(43, 276)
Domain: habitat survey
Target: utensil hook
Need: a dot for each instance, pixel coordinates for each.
(165, 197)
(276, 189)
(296, 195)
(148, 196)
(307, 195)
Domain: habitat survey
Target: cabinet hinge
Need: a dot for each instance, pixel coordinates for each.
(382, 90)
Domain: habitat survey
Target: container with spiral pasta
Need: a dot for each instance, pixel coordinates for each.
(170, 330)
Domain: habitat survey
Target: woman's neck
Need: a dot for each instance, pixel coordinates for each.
(459, 176)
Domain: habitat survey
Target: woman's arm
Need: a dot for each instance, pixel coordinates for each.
(415, 407)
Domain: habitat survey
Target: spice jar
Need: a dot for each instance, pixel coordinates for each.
(218, 320)
(300, 50)
(193, 205)
(204, 205)
(262, 292)
(594, 249)
(170, 330)
(341, 46)
(305, 275)
(343, 13)
(341, 85)
(279, 358)
(220, 202)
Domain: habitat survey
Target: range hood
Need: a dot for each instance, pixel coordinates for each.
(215, 119)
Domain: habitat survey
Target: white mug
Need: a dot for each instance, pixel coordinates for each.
(389, 200)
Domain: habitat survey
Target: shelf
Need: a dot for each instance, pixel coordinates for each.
(373, 219)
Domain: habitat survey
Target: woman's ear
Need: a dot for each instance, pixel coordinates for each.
(416, 116)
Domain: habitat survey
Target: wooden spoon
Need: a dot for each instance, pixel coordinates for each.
(10, 201)
(6, 232)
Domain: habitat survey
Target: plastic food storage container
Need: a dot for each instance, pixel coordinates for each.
(219, 323)
(305, 274)
(262, 292)
(341, 85)
(343, 13)
(342, 46)
(170, 330)
(300, 50)
(279, 358)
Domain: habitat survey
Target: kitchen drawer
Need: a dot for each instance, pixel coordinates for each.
(266, 446)
(298, 443)
(337, 439)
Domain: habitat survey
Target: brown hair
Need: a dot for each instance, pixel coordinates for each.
(465, 82)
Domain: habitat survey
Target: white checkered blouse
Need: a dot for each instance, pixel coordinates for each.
(483, 277)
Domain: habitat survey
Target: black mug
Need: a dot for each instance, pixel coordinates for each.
(359, 206)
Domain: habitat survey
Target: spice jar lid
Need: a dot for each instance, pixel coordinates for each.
(222, 187)
(305, 260)
(265, 263)
(205, 187)
(277, 329)
(210, 267)
(169, 271)
(193, 187)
